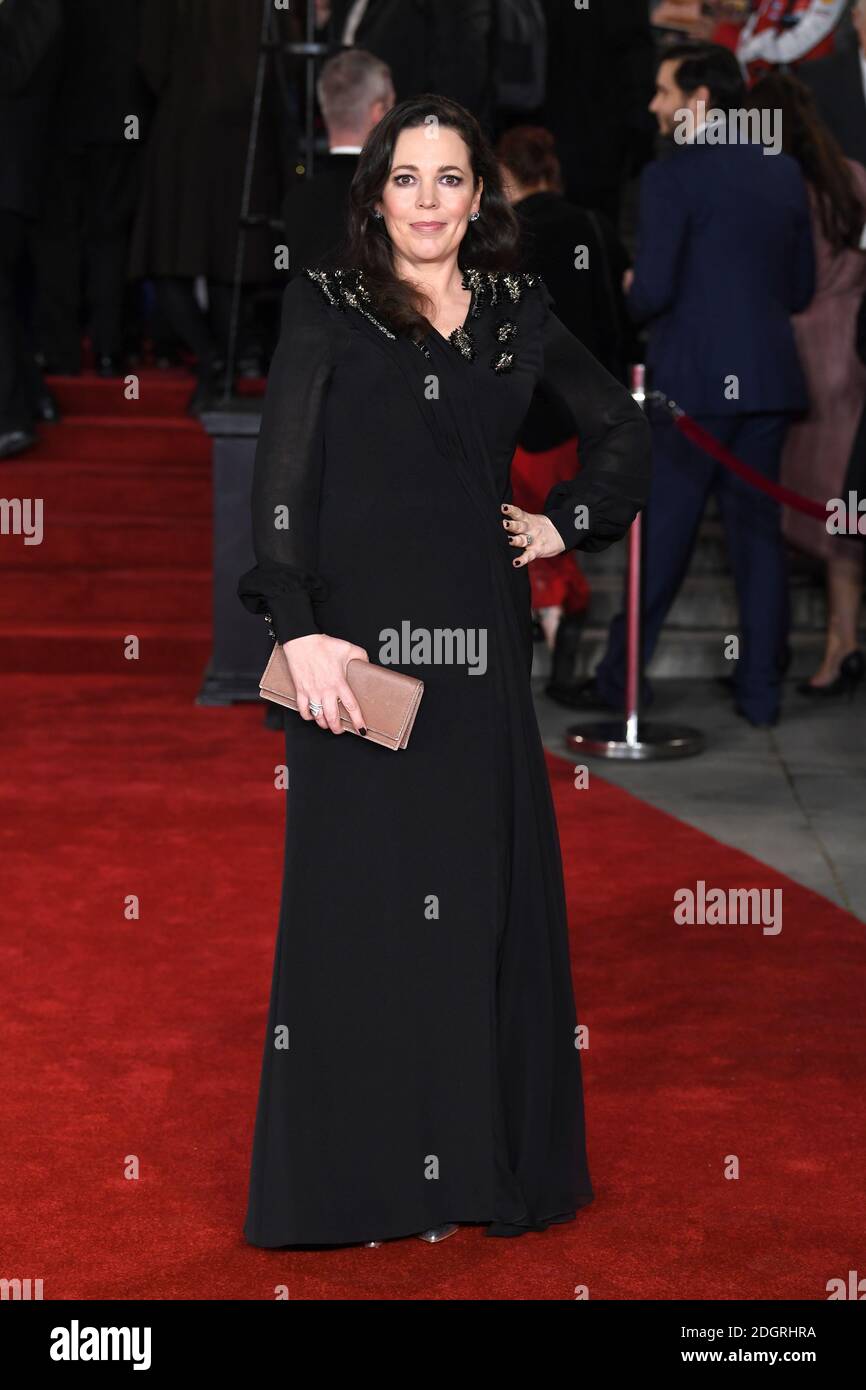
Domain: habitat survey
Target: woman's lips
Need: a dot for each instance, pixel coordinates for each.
(427, 228)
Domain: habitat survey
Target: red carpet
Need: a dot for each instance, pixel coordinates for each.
(138, 1042)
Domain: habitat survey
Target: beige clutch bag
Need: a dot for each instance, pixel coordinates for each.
(389, 699)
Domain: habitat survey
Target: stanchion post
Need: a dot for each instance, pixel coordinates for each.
(632, 654)
(629, 739)
(633, 593)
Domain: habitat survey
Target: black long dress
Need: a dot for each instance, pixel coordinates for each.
(421, 1061)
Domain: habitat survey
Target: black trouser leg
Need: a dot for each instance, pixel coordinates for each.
(17, 373)
(220, 300)
(56, 246)
(178, 303)
(111, 185)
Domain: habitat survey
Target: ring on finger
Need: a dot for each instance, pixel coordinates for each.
(315, 709)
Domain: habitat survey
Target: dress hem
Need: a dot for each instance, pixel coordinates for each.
(494, 1228)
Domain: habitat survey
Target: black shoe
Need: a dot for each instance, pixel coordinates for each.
(562, 683)
(206, 396)
(45, 407)
(583, 694)
(757, 723)
(251, 367)
(437, 1233)
(201, 399)
(14, 442)
(108, 365)
(729, 683)
(850, 675)
(209, 389)
(572, 696)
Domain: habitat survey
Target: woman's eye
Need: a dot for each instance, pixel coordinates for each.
(404, 180)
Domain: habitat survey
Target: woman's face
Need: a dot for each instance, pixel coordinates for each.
(429, 193)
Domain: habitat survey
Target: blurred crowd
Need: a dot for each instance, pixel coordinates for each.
(133, 135)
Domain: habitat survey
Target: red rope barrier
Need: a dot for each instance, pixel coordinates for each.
(712, 446)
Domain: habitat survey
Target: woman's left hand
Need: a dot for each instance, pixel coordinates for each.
(533, 533)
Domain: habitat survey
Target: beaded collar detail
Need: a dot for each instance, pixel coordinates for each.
(490, 288)
(345, 289)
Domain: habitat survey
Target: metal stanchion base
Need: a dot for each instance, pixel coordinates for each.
(611, 739)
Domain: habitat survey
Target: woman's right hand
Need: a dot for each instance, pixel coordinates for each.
(317, 666)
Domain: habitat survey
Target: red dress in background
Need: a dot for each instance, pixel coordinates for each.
(555, 581)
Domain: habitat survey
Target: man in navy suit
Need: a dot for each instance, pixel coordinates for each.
(724, 257)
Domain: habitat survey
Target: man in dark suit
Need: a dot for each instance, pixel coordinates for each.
(725, 256)
(838, 84)
(29, 73)
(82, 238)
(355, 91)
(430, 45)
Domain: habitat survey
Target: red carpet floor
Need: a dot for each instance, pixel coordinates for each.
(136, 1044)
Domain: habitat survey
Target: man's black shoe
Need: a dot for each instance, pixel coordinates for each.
(14, 442)
(109, 366)
(758, 723)
(45, 407)
(581, 695)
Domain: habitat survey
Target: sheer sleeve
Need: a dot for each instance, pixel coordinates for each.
(613, 443)
(288, 467)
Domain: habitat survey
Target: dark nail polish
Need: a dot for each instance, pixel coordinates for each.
(362, 731)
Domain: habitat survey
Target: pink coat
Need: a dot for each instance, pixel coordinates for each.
(818, 447)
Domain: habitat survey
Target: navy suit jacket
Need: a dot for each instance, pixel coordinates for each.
(725, 256)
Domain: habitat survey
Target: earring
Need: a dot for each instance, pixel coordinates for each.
(474, 216)
(376, 213)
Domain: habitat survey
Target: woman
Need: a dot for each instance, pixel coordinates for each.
(819, 447)
(581, 261)
(421, 971)
(577, 251)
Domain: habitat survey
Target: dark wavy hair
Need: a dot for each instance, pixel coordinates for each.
(529, 153)
(490, 243)
(707, 65)
(818, 153)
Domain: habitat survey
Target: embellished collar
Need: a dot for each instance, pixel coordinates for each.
(347, 288)
(492, 288)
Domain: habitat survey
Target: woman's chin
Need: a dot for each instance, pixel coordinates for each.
(429, 248)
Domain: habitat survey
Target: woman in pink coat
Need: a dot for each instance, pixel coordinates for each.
(818, 447)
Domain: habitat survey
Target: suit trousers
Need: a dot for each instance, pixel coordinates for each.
(19, 376)
(81, 249)
(683, 478)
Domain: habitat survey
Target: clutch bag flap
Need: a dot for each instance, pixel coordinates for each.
(389, 699)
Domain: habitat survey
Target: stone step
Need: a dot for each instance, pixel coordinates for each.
(683, 652)
(709, 601)
(708, 557)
